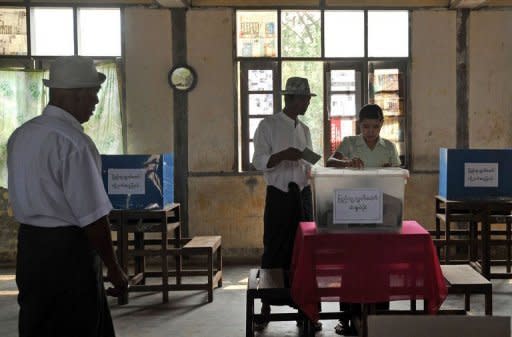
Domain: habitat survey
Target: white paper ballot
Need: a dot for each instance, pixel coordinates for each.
(310, 156)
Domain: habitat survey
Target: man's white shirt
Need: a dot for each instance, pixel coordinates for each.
(274, 134)
(55, 173)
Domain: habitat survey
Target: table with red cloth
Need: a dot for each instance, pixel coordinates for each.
(365, 268)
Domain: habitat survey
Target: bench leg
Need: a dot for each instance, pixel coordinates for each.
(307, 326)
(488, 302)
(249, 315)
(210, 276)
(508, 236)
(219, 265)
(467, 301)
(413, 304)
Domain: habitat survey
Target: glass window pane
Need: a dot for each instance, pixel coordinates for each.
(251, 150)
(344, 33)
(13, 31)
(386, 85)
(341, 127)
(260, 80)
(99, 32)
(314, 117)
(343, 105)
(393, 129)
(51, 31)
(253, 124)
(390, 103)
(388, 33)
(256, 33)
(386, 79)
(343, 80)
(261, 104)
(300, 34)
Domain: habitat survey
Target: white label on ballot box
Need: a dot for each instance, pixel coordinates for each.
(126, 181)
(357, 205)
(480, 174)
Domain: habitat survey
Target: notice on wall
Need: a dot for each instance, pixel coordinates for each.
(358, 205)
(480, 174)
(126, 181)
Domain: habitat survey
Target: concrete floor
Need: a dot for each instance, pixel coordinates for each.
(188, 314)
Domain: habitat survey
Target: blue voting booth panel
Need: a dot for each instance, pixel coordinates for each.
(475, 173)
(141, 181)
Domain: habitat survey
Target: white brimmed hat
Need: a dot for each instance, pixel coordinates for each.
(297, 86)
(72, 72)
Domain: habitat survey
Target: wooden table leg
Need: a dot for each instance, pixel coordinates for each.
(140, 261)
(165, 266)
(122, 241)
(486, 258)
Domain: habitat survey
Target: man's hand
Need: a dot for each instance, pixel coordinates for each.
(356, 163)
(119, 280)
(291, 153)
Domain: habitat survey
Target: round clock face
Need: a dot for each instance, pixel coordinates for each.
(182, 78)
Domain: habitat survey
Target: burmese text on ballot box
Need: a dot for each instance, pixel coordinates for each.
(359, 200)
(139, 181)
(475, 173)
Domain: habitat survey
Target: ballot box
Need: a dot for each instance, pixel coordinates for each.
(139, 181)
(475, 173)
(359, 199)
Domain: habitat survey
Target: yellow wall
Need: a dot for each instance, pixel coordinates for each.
(226, 203)
(433, 87)
(490, 69)
(149, 99)
(211, 113)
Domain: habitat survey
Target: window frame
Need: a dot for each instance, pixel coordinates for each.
(358, 66)
(244, 102)
(31, 62)
(75, 8)
(361, 63)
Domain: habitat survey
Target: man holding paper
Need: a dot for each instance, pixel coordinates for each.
(282, 146)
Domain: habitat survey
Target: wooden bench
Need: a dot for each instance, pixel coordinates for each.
(206, 246)
(270, 285)
(462, 279)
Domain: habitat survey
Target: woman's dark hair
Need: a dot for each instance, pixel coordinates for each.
(371, 111)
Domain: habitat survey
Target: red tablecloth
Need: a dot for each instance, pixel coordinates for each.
(365, 268)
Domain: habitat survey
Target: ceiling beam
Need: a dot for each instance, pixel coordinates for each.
(472, 4)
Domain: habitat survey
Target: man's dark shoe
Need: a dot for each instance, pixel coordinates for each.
(343, 328)
(262, 323)
(316, 326)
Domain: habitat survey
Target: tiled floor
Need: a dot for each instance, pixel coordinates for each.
(188, 314)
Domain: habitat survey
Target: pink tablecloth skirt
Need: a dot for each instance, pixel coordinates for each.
(365, 268)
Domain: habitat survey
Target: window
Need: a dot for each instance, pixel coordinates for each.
(24, 62)
(350, 57)
(51, 31)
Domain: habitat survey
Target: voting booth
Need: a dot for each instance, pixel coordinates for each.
(359, 199)
(140, 181)
(466, 174)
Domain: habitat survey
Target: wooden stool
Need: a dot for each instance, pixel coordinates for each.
(462, 279)
(162, 222)
(205, 245)
(270, 285)
(507, 243)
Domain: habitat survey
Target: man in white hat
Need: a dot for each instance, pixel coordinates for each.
(278, 144)
(57, 195)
